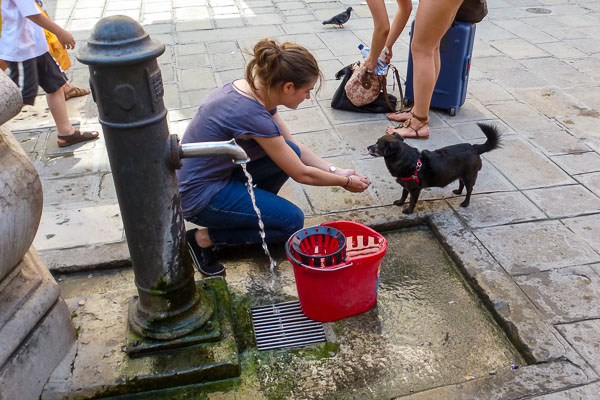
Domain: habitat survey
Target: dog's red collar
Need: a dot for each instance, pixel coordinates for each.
(414, 176)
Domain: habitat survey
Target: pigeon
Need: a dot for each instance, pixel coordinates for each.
(339, 19)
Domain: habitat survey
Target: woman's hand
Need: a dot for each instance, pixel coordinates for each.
(344, 172)
(357, 184)
(388, 54)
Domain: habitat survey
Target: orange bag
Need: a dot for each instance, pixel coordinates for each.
(56, 49)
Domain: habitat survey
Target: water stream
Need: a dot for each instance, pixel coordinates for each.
(261, 226)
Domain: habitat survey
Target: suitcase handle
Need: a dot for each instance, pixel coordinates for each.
(466, 67)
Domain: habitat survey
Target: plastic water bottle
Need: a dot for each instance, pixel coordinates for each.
(381, 67)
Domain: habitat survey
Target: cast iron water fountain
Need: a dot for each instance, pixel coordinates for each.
(171, 311)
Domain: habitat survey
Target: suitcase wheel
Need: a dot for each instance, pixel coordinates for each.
(453, 111)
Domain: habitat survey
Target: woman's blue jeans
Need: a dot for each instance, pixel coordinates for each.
(230, 217)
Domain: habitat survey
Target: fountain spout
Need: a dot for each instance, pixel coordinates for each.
(229, 148)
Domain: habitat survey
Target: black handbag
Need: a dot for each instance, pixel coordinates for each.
(472, 11)
(382, 104)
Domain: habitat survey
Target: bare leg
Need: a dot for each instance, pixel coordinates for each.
(58, 108)
(202, 238)
(67, 135)
(432, 21)
(381, 28)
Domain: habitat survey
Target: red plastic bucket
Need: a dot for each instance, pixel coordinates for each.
(329, 293)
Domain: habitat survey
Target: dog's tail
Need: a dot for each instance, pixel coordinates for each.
(493, 138)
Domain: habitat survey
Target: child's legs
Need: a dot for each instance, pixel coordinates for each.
(52, 80)
(265, 173)
(231, 219)
(431, 23)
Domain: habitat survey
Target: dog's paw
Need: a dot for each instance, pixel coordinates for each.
(399, 202)
(456, 191)
(408, 210)
(464, 204)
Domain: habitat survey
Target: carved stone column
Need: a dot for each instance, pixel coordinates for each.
(35, 324)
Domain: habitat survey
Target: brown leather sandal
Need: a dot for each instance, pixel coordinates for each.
(75, 91)
(408, 124)
(391, 118)
(77, 137)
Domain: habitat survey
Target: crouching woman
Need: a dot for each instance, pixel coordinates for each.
(213, 191)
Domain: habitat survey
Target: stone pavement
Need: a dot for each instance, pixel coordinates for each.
(530, 238)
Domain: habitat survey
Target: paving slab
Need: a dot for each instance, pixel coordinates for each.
(529, 247)
(578, 393)
(564, 295)
(72, 227)
(584, 336)
(585, 227)
(565, 201)
(525, 167)
(496, 209)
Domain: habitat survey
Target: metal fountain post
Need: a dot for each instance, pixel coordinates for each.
(127, 86)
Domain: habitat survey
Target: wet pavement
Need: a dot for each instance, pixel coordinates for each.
(528, 243)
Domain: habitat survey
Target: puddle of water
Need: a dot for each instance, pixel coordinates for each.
(261, 226)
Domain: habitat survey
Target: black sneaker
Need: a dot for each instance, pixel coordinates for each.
(204, 259)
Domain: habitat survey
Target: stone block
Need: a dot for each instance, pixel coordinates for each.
(556, 142)
(518, 78)
(340, 43)
(557, 72)
(518, 49)
(228, 61)
(87, 258)
(577, 393)
(496, 209)
(191, 61)
(524, 167)
(198, 78)
(486, 92)
(71, 190)
(535, 246)
(305, 120)
(551, 102)
(255, 33)
(582, 126)
(586, 227)
(79, 227)
(561, 50)
(564, 201)
(578, 163)
(524, 31)
(564, 295)
(35, 326)
(323, 143)
(584, 336)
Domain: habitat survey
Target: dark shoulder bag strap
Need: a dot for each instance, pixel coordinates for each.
(396, 76)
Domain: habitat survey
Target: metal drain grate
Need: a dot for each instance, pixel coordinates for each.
(283, 325)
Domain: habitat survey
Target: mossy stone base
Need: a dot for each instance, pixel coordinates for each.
(209, 332)
(101, 368)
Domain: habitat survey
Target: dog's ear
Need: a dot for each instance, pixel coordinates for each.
(391, 148)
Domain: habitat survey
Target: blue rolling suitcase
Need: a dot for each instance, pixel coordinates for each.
(456, 48)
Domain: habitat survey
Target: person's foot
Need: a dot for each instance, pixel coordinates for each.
(204, 258)
(76, 137)
(74, 91)
(400, 116)
(413, 128)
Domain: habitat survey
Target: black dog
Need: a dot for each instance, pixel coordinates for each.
(416, 170)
